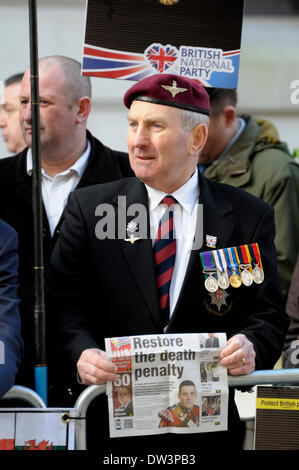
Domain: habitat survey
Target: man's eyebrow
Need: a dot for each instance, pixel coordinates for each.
(41, 97)
(149, 119)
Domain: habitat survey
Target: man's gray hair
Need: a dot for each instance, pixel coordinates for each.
(77, 85)
(191, 119)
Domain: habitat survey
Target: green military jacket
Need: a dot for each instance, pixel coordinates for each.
(262, 165)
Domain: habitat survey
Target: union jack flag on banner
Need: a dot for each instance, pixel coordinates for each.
(161, 58)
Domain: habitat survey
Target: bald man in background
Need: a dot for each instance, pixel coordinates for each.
(70, 158)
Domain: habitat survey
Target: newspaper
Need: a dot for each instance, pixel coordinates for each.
(167, 383)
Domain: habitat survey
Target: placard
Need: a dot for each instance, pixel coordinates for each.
(133, 39)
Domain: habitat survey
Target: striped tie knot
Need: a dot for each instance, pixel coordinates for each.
(169, 201)
(164, 253)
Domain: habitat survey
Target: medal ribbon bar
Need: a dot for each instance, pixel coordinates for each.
(233, 265)
(209, 269)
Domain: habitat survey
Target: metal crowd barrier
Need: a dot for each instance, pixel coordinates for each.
(260, 377)
(19, 392)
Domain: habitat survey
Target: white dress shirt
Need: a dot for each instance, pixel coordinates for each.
(185, 215)
(55, 191)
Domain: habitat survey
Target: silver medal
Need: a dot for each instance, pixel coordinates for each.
(258, 275)
(246, 277)
(211, 284)
(223, 281)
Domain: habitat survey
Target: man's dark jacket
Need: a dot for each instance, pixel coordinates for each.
(109, 285)
(10, 324)
(16, 209)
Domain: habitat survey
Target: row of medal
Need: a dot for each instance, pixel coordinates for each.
(232, 266)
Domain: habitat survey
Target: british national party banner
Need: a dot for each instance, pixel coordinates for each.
(132, 39)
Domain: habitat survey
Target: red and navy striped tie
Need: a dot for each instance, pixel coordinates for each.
(164, 253)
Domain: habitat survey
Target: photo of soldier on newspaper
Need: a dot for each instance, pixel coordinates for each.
(185, 413)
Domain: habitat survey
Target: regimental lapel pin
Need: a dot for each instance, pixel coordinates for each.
(211, 241)
(218, 298)
(174, 90)
(132, 227)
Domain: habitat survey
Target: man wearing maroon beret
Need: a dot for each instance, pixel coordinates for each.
(112, 274)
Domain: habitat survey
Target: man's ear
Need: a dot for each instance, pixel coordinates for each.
(199, 137)
(230, 115)
(83, 109)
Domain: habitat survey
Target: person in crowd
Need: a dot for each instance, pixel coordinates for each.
(11, 343)
(247, 153)
(125, 274)
(71, 157)
(9, 116)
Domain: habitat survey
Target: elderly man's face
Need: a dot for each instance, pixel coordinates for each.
(187, 396)
(57, 116)
(9, 119)
(161, 152)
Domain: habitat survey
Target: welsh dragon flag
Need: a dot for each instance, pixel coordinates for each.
(35, 429)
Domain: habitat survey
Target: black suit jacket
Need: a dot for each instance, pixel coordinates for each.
(11, 350)
(109, 287)
(104, 165)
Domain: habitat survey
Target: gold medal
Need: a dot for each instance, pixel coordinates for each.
(235, 280)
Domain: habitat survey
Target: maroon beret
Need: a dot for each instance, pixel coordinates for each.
(170, 90)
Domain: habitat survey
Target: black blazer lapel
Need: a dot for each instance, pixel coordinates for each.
(217, 215)
(24, 190)
(139, 255)
(23, 180)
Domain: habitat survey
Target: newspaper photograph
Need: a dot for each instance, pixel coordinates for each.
(167, 383)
